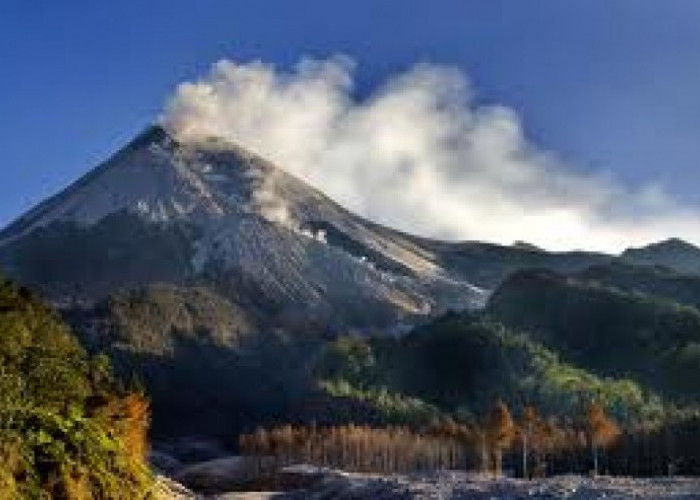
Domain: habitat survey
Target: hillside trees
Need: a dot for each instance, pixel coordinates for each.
(610, 332)
(527, 428)
(500, 431)
(363, 448)
(67, 430)
(602, 431)
(556, 444)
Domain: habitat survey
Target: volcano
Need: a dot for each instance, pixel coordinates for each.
(213, 214)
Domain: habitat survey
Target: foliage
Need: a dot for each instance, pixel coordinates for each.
(605, 330)
(66, 429)
(564, 444)
(555, 444)
(393, 407)
(149, 319)
(363, 448)
(462, 361)
(602, 431)
(500, 431)
(649, 280)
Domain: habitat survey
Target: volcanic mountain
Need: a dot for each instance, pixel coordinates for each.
(229, 287)
(213, 214)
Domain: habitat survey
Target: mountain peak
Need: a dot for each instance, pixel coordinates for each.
(667, 245)
(160, 178)
(153, 134)
(524, 245)
(677, 243)
(147, 176)
(673, 253)
(211, 211)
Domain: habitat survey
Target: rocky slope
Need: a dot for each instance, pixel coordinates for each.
(215, 214)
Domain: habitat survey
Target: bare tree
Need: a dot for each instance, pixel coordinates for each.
(527, 433)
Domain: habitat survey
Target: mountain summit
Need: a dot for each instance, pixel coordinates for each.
(673, 253)
(214, 214)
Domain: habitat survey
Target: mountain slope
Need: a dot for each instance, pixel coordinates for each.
(463, 362)
(215, 214)
(487, 264)
(652, 340)
(658, 281)
(673, 253)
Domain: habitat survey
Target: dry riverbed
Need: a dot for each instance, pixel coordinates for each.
(466, 486)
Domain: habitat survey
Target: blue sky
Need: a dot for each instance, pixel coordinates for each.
(607, 84)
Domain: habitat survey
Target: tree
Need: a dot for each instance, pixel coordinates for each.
(501, 430)
(527, 431)
(67, 428)
(602, 431)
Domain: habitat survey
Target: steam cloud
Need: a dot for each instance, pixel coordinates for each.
(419, 155)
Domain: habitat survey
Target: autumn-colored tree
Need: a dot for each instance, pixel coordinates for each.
(362, 448)
(554, 444)
(67, 428)
(500, 430)
(602, 431)
(528, 427)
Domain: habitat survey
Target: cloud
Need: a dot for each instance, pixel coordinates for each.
(420, 155)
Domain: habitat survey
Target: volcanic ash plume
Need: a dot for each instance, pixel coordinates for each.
(419, 155)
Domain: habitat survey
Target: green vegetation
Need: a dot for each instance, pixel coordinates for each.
(548, 341)
(196, 354)
(392, 407)
(151, 319)
(459, 364)
(672, 253)
(658, 281)
(66, 429)
(615, 333)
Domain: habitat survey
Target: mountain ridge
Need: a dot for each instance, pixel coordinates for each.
(674, 253)
(212, 213)
(229, 218)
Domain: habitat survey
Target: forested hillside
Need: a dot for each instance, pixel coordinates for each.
(652, 340)
(67, 428)
(210, 366)
(672, 253)
(550, 344)
(196, 353)
(462, 363)
(654, 280)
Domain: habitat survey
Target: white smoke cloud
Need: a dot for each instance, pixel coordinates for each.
(419, 155)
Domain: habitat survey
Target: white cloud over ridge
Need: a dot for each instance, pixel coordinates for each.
(419, 155)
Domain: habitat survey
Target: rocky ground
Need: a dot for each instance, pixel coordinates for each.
(466, 486)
